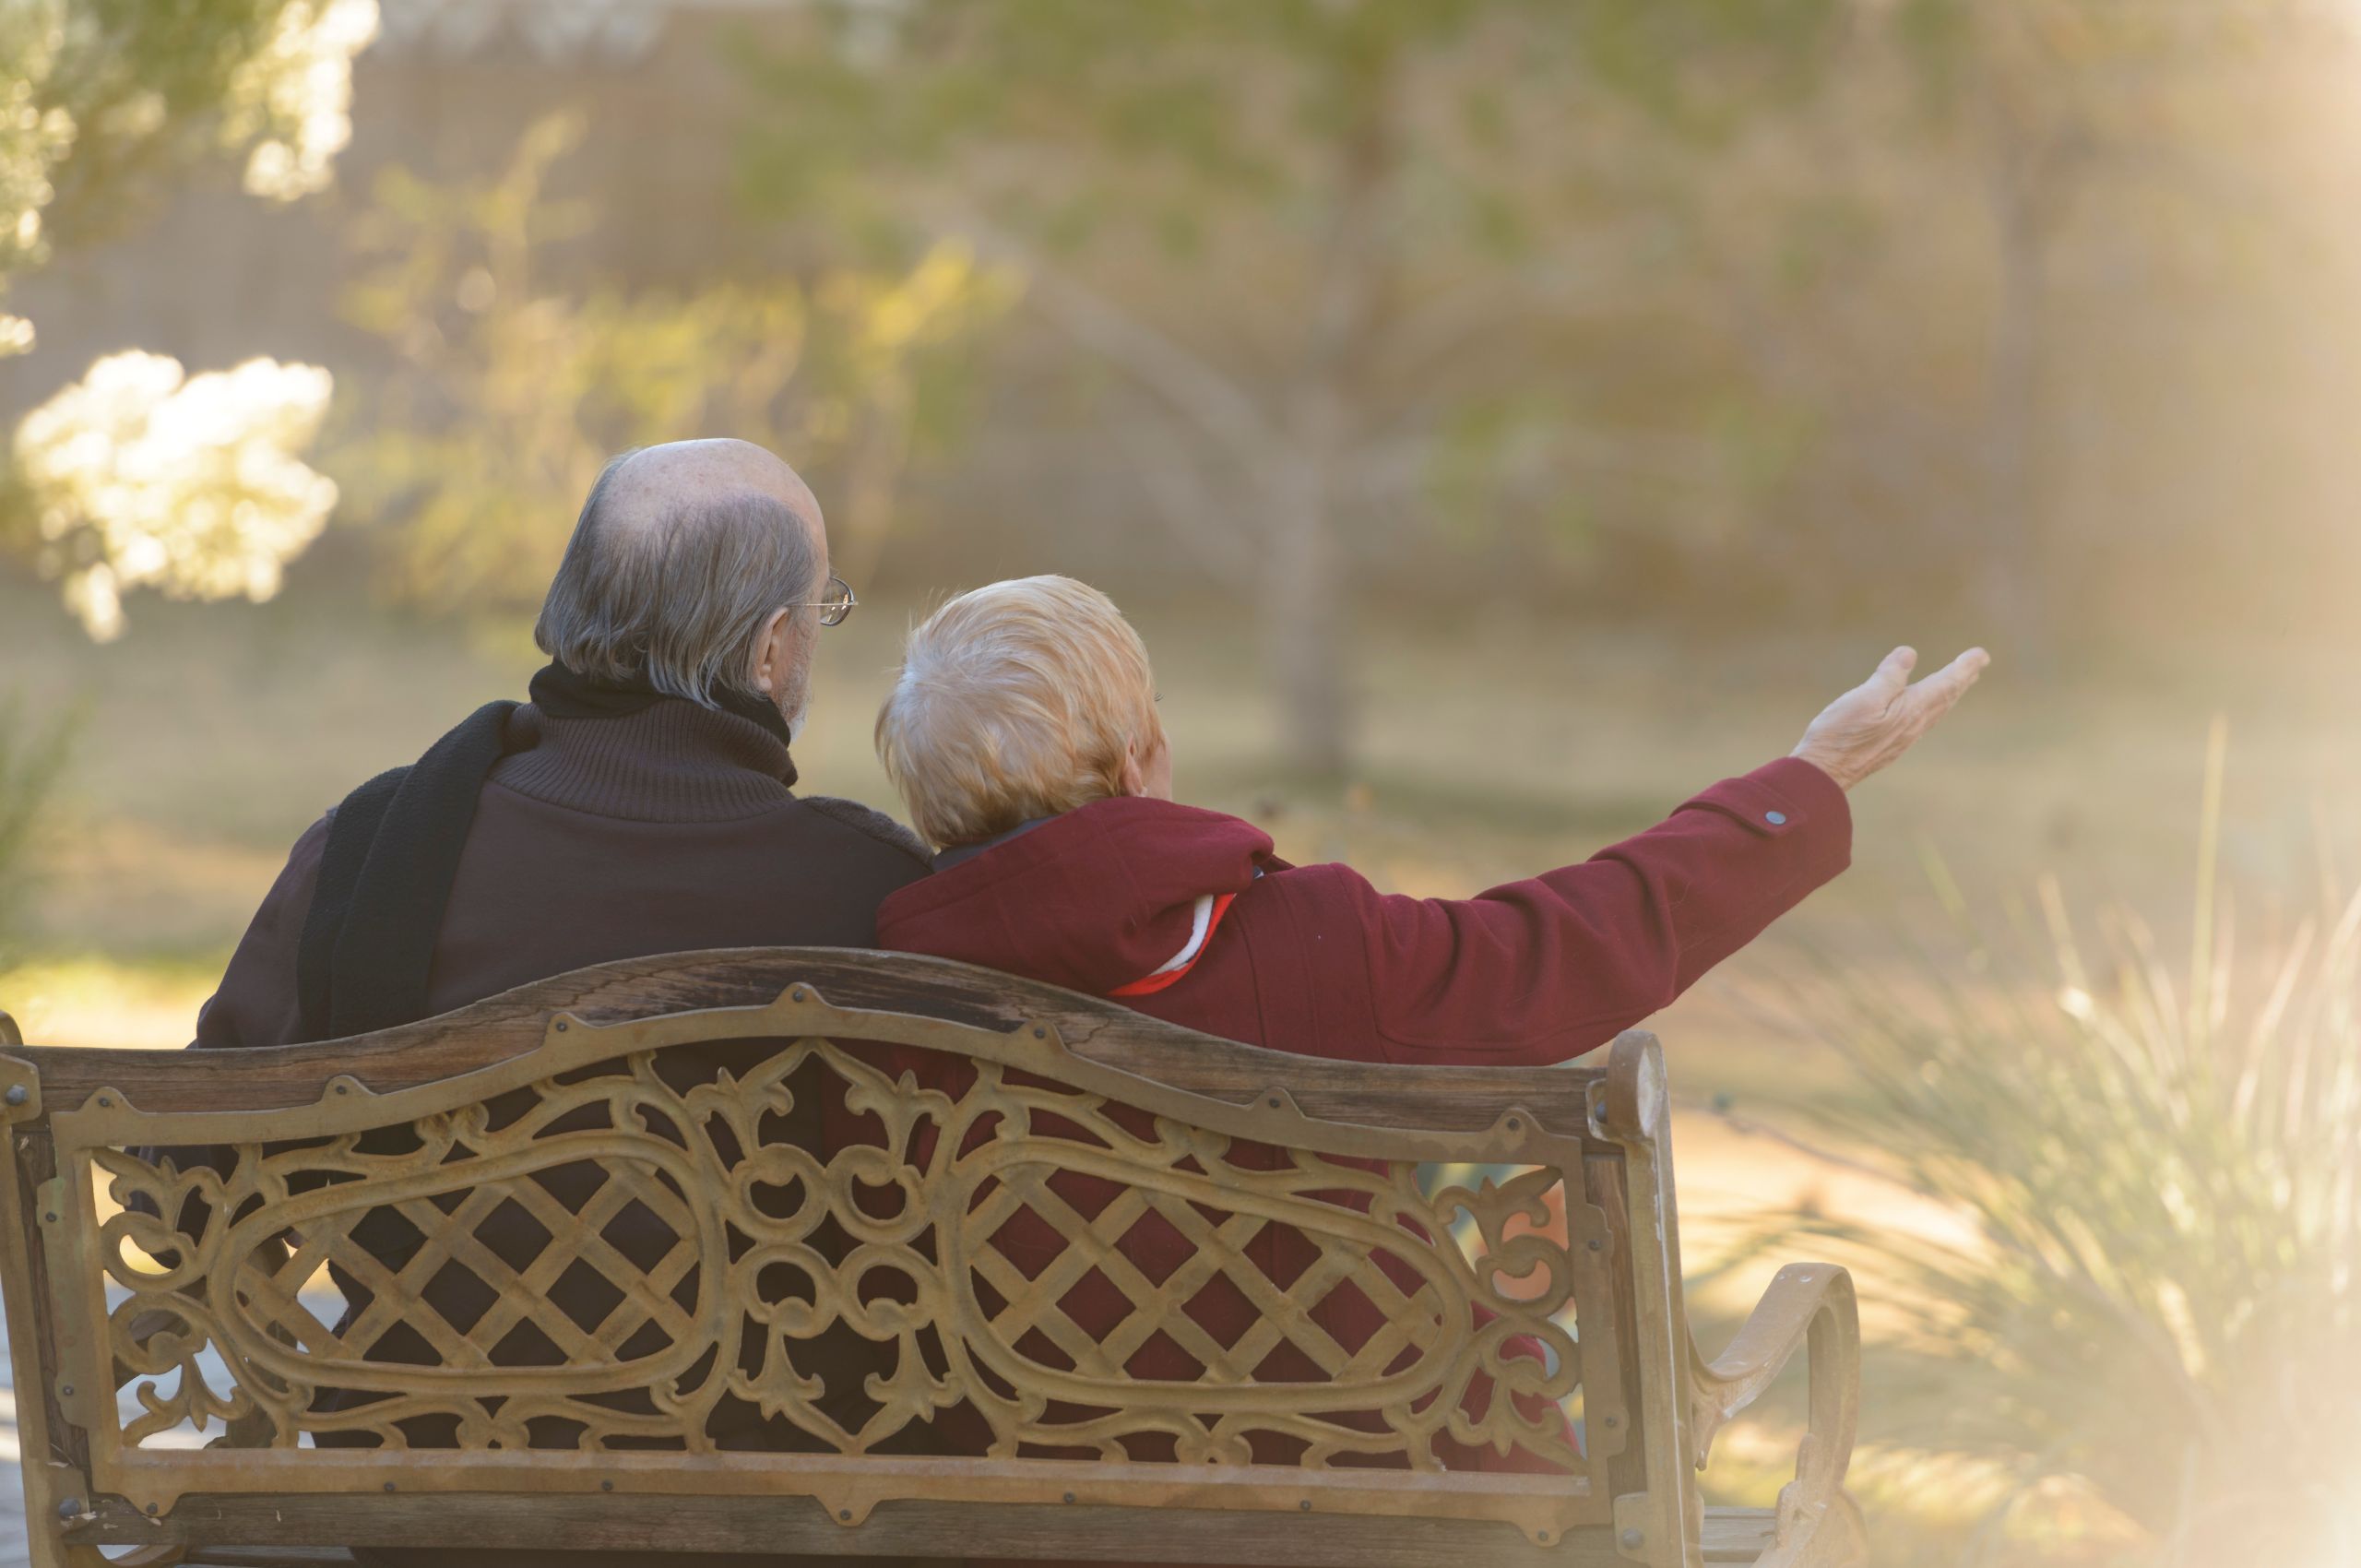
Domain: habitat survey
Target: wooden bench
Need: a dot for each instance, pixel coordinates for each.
(686, 1086)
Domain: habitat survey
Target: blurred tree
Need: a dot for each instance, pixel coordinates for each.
(142, 476)
(102, 101)
(1337, 254)
(2056, 98)
(139, 474)
(1954, 249)
(513, 389)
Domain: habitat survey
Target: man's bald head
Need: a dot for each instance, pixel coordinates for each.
(655, 484)
(680, 565)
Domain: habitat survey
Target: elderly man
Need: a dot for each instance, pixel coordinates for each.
(642, 803)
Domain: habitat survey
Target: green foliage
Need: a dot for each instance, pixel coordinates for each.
(32, 756)
(1345, 262)
(102, 101)
(1706, 67)
(2159, 1294)
(1182, 117)
(513, 389)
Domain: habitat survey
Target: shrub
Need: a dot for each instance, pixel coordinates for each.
(2159, 1165)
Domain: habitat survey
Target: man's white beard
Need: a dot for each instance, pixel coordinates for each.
(801, 694)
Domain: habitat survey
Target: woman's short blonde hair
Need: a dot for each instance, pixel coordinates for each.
(1016, 701)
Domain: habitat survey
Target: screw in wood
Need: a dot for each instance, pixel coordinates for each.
(70, 1509)
(1632, 1541)
(18, 1094)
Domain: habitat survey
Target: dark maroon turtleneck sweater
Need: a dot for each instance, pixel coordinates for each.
(664, 831)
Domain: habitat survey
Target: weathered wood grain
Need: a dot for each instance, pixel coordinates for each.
(1737, 1535)
(797, 1526)
(1732, 1535)
(1442, 1098)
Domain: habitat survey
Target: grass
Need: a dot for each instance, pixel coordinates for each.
(32, 755)
(94, 1000)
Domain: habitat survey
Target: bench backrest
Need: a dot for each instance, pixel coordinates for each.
(997, 1264)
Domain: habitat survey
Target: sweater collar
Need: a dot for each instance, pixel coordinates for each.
(670, 760)
(563, 693)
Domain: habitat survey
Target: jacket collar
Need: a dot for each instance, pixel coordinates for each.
(1098, 899)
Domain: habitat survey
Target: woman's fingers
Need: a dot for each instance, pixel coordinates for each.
(1877, 720)
(1893, 670)
(1938, 691)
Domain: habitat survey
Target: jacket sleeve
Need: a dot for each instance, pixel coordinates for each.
(258, 1003)
(1541, 970)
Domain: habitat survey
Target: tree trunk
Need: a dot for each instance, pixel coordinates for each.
(1303, 608)
(2012, 557)
(1307, 589)
(2012, 586)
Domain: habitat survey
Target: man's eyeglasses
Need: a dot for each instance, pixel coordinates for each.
(835, 606)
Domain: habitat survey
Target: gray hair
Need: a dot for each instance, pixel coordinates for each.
(680, 598)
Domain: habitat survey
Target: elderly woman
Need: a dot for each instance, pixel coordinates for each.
(1023, 735)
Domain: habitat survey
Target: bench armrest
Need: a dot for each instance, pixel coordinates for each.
(1810, 1306)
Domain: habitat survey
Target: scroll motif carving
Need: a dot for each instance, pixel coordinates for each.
(633, 1255)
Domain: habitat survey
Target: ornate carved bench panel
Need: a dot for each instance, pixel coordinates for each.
(946, 1258)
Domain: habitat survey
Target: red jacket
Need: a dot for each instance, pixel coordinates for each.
(1188, 916)
(1313, 959)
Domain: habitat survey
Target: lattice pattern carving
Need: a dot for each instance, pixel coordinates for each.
(612, 1262)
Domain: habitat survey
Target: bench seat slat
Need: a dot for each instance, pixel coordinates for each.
(1732, 1535)
(1737, 1535)
(796, 1527)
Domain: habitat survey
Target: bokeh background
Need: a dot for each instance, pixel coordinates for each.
(1504, 418)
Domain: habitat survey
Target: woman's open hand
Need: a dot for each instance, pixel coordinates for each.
(1879, 719)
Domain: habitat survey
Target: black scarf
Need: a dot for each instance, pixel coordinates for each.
(392, 852)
